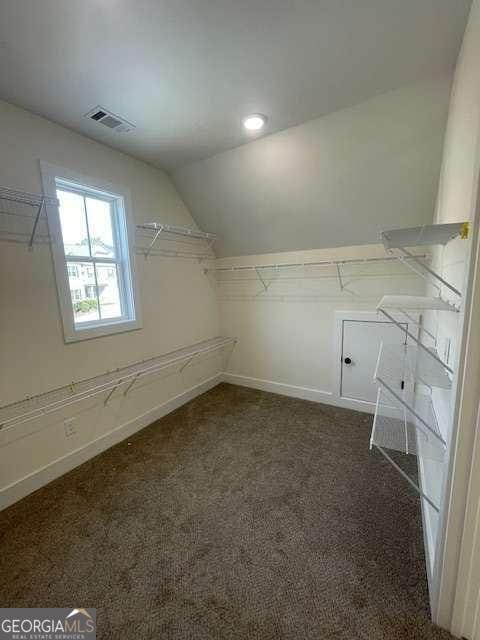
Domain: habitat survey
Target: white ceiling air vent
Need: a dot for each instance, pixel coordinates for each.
(110, 120)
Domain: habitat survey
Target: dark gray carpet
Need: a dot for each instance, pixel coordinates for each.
(241, 515)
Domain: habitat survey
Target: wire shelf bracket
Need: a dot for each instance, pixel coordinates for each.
(405, 475)
(35, 224)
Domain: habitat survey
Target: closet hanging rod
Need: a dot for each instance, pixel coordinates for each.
(178, 231)
(321, 263)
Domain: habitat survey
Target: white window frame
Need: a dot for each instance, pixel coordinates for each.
(129, 289)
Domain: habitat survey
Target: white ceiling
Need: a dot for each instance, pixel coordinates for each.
(185, 72)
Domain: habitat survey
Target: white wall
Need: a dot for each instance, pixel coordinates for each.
(34, 357)
(334, 181)
(459, 577)
(286, 334)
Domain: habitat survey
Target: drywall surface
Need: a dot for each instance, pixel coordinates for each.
(34, 357)
(286, 334)
(458, 602)
(334, 181)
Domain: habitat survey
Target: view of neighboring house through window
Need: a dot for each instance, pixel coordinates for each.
(94, 243)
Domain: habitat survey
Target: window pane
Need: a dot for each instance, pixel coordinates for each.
(81, 280)
(108, 291)
(100, 227)
(74, 224)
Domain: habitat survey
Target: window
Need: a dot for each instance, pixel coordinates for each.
(91, 291)
(76, 294)
(93, 260)
(72, 271)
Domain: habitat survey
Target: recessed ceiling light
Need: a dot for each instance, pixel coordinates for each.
(254, 122)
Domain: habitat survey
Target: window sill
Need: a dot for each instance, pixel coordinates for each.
(100, 330)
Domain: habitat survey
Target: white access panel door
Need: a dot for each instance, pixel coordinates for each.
(360, 346)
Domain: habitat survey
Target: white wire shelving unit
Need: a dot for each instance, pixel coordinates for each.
(268, 274)
(23, 220)
(23, 217)
(397, 240)
(405, 419)
(189, 243)
(104, 386)
(396, 428)
(406, 304)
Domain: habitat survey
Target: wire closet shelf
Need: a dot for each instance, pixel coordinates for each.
(23, 217)
(268, 274)
(106, 384)
(405, 419)
(397, 240)
(23, 220)
(188, 243)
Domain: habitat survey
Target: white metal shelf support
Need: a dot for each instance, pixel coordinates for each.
(339, 275)
(187, 363)
(264, 284)
(424, 266)
(125, 393)
(153, 242)
(35, 224)
(407, 478)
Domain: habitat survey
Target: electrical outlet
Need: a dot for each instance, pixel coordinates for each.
(70, 427)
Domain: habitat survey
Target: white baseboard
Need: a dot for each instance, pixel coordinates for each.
(305, 393)
(315, 395)
(21, 488)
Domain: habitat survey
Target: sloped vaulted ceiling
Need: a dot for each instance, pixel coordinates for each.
(335, 181)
